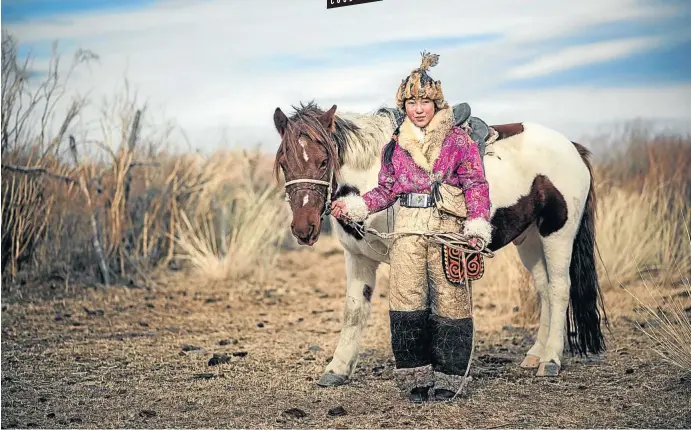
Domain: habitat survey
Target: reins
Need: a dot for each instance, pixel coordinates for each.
(451, 239)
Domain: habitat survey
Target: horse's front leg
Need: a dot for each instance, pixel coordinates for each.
(361, 275)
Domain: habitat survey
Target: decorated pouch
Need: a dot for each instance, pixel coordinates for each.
(456, 267)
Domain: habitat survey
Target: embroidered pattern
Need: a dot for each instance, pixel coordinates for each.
(456, 268)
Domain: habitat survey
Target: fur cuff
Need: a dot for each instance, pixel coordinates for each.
(409, 378)
(478, 227)
(448, 382)
(356, 207)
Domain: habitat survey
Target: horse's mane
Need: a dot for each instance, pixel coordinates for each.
(358, 137)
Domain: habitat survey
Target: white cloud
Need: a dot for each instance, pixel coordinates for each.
(589, 105)
(197, 61)
(271, 25)
(583, 55)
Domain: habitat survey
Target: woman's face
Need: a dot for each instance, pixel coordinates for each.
(420, 111)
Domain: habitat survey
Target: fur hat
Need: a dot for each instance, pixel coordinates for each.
(420, 84)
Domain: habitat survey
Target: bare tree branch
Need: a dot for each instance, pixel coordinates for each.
(38, 171)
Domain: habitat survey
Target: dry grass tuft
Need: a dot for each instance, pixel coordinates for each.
(671, 326)
(244, 236)
(668, 316)
(640, 228)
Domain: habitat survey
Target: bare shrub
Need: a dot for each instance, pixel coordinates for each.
(27, 190)
(115, 207)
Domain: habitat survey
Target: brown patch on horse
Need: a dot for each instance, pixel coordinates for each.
(508, 130)
(544, 204)
(367, 292)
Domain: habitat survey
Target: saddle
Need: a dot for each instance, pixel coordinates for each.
(478, 129)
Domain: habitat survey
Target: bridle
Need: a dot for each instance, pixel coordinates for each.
(329, 189)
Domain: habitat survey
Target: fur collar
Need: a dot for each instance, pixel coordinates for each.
(425, 146)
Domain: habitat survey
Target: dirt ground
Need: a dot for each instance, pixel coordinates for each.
(82, 356)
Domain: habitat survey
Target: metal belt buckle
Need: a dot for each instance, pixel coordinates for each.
(418, 200)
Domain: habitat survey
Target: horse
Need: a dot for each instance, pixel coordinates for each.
(542, 201)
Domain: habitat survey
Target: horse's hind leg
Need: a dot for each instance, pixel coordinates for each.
(361, 275)
(558, 249)
(533, 258)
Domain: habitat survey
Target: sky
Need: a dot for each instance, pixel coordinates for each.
(219, 68)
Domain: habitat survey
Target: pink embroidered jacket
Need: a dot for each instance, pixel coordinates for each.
(459, 164)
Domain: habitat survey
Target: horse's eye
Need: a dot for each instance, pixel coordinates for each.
(323, 164)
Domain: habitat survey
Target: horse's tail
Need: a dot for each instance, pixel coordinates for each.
(583, 320)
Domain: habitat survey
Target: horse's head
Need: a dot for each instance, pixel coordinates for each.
(308, 158)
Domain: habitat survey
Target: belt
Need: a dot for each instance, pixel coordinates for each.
(416, 200)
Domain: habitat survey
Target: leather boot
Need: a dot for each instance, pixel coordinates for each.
(415, 382)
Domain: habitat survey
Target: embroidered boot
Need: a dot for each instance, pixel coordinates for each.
(411, 348)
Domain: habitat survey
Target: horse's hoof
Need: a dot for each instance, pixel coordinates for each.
(332, 380)
(530, 362)
(549, 369)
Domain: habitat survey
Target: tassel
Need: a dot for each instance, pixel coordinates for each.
(436, 193)
(428, 60)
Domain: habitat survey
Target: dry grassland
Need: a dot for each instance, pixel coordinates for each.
(200, 268)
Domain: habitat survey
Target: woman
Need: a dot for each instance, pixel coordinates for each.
(431, 320)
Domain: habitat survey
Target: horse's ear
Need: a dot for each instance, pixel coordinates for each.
(328, 119)
(280, 121)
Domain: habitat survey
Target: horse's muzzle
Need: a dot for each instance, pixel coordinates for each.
(307, 231)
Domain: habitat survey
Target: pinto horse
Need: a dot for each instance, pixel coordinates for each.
(542, 201)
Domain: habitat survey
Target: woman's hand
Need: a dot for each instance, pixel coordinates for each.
(338, 209)
(475, 243)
